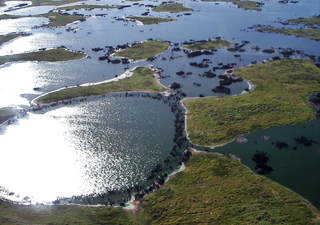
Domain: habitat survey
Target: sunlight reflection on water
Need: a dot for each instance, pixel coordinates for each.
(84, 148)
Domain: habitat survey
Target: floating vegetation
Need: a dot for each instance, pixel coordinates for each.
(280, 145)
(304, 141)
(261, 159)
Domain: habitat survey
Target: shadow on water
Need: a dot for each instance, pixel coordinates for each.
(294, 153)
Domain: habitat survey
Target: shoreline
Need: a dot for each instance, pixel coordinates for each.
(126, 74)
(129, 73)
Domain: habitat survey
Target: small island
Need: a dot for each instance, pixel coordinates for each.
(143, 50)
(279, 99)
(172, 8)
(52, 55)
(303, 33)
(250, 5)
(307, 21)
(142, 80)
(212, 44)
(150, 20)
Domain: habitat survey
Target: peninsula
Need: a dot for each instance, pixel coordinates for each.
(279, 99)
(142, 80)
(52, 55)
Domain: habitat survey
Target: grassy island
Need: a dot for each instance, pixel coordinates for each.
(213, 189)
(53, 55)
(303, 33)
(172, 8)
(250, 5)
(8, 37)
(142, 80)
(58, 20)
(214, 44)
(278, 99)
(75, 7)
(150, 20)
(55, 19)
(144, 50)
(308, 21)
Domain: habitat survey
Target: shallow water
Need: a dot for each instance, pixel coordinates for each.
(297, 169)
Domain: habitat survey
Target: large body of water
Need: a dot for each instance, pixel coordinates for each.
(110, 143)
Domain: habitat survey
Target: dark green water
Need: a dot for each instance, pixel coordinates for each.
(297, 169)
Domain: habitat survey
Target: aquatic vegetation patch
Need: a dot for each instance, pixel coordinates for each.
(143, 50)
(303, 33)
(52, 55)
(172, 8)
(278, 99)
(150, 20)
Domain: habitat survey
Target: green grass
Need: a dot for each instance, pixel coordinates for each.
(8, 37)
(308, 21)
(279, 99)
(19, 214)
(53, 55)
(144, 50)
(247, 5)
(150, 20)
(142, 80)
(7, 113)
(172, 8)
(250, 5)
(74, 7)
(6, 16)
(57, 20)
(219, 190)
(213, 189)
(303, 33)
(215, 44)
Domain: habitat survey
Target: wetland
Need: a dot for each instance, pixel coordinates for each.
(109, 121)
